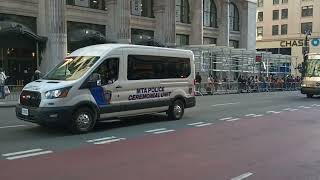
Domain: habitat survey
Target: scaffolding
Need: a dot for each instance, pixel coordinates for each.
(227, 64)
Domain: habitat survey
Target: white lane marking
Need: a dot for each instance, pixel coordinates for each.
(214, 105)
(110, 141)
(314, 105)
(197, 123)
(223, 119)
(21, 152)
(14, 126)
(243, 176)
(165, 131)
(274, 112)
(258, 115)
(287, 109)
(29, 155)
(293, 110)
(235, 119)
(101, 139)
(206, 124)
(154, 130)
(248, 115)
(305, 107)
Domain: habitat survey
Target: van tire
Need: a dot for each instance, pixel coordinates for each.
(176, 110)
(83, 117)
(309, 95)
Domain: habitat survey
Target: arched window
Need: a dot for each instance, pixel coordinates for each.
(182, 11)
(209, 13)
(234, 17)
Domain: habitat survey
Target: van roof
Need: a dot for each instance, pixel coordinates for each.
(102, 49)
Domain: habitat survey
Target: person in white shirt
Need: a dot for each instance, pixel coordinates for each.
(3, 78)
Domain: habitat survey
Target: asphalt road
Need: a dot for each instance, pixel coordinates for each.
(242, 136)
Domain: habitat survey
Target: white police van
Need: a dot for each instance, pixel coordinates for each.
(110, 81)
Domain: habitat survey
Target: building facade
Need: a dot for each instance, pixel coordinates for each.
(288, 27)
(39, 33)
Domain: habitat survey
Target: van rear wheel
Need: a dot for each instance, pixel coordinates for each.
(309, 95)
(83, 121)
(176, 110)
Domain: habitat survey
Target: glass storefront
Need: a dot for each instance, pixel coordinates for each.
(139, 36)
(18, 47)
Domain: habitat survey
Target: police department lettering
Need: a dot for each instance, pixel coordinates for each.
(148, 93)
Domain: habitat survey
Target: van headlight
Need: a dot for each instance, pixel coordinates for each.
(57, 93)
(303, 85)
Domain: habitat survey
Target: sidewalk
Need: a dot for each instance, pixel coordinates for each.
(4, 104)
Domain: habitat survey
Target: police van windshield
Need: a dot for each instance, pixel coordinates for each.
(72, 68)
(313, 68)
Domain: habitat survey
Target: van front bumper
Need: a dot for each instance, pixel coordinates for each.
(45, 116)
(310, 90)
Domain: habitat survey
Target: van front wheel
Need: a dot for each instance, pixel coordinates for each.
(83, 121)
(176, 110)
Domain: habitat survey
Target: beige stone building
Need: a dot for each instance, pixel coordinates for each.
(282, 26)
(39, 33)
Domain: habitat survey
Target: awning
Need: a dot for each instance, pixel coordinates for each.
(85, 37)
(17, 35)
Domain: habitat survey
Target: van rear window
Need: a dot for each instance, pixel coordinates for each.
(157, 67)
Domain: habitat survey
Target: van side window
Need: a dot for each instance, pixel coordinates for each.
(157, 67)
(109, 71)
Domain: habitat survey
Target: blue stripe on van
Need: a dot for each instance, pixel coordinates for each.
(98, 95)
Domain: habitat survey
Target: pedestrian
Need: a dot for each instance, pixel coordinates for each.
(3, 78)
(210, 85)
(198, 82)
(36, 75)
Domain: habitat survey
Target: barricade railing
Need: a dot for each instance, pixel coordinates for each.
(252, 87)
(15, 91)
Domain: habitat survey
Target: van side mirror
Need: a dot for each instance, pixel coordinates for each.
(94, 80)
(301, 68)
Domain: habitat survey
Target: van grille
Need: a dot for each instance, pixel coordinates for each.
(30, 98)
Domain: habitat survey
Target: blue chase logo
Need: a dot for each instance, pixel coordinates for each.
(315, 42)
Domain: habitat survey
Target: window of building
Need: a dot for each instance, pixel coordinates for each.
(307, 11)
(259, 31)
(209, 13)
(275, 2)
(284, 29)
(260, 3)
(234, 43)
(260, 16)
(306, 27)
(275, 14)
(209, 40)
(284, 1)
(182, 11)
(142, 8)
(138, 36)
(234, 17)
(157, 67)
(284, 14)
(275, 30)
(94, 4)
(182, 40)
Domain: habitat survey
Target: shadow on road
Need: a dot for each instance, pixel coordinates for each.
(127, 122)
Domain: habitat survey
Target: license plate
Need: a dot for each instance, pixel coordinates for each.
(25, 112)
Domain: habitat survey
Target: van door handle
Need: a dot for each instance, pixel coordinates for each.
(118, 87)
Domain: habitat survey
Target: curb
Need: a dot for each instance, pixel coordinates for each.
(8, 104)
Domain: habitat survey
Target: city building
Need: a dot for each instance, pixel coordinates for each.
(288, 27)
(37, 34)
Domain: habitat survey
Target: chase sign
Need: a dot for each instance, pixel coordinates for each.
(299, 42)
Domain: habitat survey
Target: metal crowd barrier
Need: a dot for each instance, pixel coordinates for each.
(14, 93)
(235, 87)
